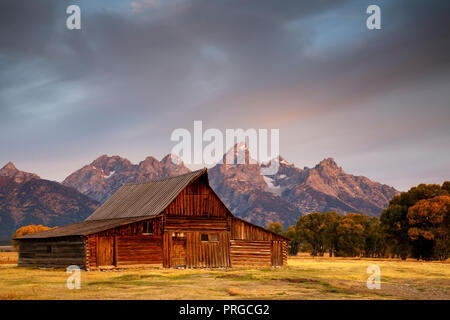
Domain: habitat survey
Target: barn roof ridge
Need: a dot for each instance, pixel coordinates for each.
(145, 199)
(164, 179)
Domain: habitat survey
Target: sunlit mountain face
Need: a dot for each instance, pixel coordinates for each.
(282, 197)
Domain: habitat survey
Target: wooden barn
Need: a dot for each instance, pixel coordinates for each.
(175, 222)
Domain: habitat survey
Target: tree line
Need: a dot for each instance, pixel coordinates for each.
(416, 224)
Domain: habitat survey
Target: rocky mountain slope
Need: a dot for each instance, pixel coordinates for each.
(26, 199)
(10, 170)
(293, 192)
(260, 199)
(104, 176)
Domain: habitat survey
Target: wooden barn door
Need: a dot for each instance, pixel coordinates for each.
(277, 253)
(178, 252)
(105, 251)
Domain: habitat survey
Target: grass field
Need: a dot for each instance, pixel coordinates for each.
(304, 278)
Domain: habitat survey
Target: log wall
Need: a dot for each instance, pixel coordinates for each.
(248, 238)
(53, 252)
(139, 250)
(130, 245)
(256, 253)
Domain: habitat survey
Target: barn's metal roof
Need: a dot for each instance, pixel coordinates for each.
(80, 229)
(144, 199)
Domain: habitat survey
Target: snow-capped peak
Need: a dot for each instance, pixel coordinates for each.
(175, 159)
(239, 154)
(109, 175)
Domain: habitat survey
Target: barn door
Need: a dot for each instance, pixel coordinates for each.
(105, 251)
(277, 253)
(178, 252)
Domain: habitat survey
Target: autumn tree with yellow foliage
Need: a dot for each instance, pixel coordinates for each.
(416, 223)
(27, 230)
(429, 230)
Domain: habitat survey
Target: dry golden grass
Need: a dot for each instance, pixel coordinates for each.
(303, 278)
(8, 257)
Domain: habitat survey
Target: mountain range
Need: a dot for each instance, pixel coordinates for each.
(293, 192)
(25, 198)
(105, 175)
(260, 199)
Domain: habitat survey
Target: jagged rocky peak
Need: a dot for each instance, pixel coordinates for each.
(113, 163)
(9, 167)
(172, 165)
(239, 154)
(281, 161)
(105, 175)
(172, 159)
(148, 162)
(328, 163)
(10, 170)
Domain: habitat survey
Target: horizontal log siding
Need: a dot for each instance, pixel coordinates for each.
(139, 250)
(64, 252)
(124, 237)
(197, 199)
(251, 253)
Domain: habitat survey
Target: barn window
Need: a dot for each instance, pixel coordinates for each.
(49, 249)
(209, 237)
(148, 228)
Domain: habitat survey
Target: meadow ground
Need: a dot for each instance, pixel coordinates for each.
(304, 278)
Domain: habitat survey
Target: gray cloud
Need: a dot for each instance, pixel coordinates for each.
(129, 77)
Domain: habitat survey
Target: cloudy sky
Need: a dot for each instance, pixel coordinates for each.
(378, 101)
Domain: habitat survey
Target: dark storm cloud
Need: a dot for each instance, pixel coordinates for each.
(154, 55)
(133, 75)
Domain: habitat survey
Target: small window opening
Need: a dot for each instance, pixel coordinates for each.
(204, 237)
(49, 249)
(148, 228)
